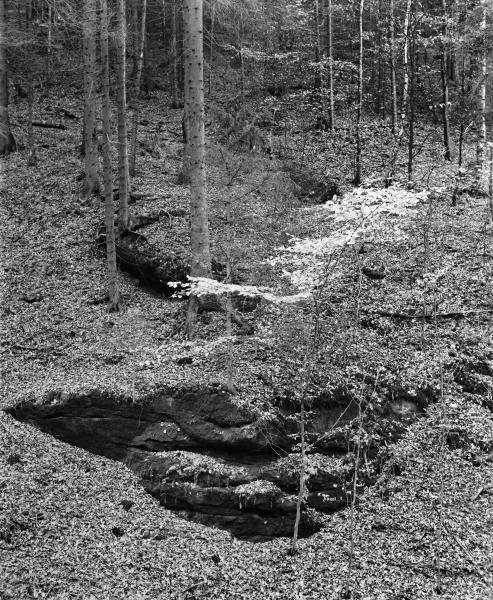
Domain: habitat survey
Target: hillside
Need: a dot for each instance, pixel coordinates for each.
(400, 378)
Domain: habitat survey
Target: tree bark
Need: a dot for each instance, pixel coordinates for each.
(7, 141)
(136, 94)
(211, 47)
(113, 292)
(31, 160)
(330, 49)
(49, 46)
(393, 83)
(357, 173)
(405, 65)
(412, 90)
(445, 87)
(91, 183)
(174, 57)
(483, 70)
(319, 55)
(194, 111)
(121, 100)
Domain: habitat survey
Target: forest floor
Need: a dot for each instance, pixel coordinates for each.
(423, 531)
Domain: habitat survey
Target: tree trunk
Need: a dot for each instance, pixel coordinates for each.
(31, 160)
(136, 94)
(121, 100)
(7, 142)
(357, 172)
(393, 83)
(242, 61)
(330, 49)
(49, 46)
(174, 57)
(319, 54)
(445, 87)
(380, 34)
(194, 111)
(89, 26)
(211, 47)
(412, 90)
(483, 70)
(113, 292)
(405, 65)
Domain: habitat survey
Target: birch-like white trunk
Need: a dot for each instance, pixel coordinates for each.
(194, 117)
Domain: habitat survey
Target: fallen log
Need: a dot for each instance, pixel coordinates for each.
(137, 256)
(48, 125)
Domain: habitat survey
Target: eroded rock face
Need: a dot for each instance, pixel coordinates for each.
(200, 456)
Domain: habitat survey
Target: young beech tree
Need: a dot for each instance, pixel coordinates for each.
(138, 77)
(194, 119)
(89, 28)
(113, 293)
(121, 100)
(357, 172)
(483, 72)
(7, 142)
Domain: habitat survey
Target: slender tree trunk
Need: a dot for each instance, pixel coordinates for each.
(405, 65)
(49, 43)
(380, 99)
(330, 40)
(113, 292)
(194, 109)
(302, 480)
(7, 142)
(31, 161)
(483, 70)
(163, 22)
(490, 173)
(211, 47)
(174, 56)
(357, 172)
(134, 16)
(121, 100)
(393, 84)
(242, 61)
(319, 54)
(412, 90)
(136, 94)
(91, 183)
(445, 86)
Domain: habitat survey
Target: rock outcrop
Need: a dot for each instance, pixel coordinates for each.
(200, 456)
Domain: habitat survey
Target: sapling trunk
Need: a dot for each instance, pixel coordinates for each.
(357, 173)
(301, 492)
(136, 94)
(123, 168)
(113, 292)
(352, 513)
(330, 36)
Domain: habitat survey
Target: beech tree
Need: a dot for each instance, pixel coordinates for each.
(113, 293)
(123, 169)
(445, 85)
(483, 72)
(136, 93)
(7, 141)
(194, 119)
(357, 173)
(91, 183)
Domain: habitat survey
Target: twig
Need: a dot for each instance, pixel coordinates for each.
(427, 316)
